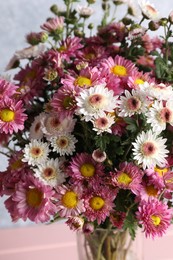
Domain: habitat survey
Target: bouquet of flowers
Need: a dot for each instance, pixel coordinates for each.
(87, 122)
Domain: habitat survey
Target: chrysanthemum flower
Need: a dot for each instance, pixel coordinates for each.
(150, 150)
(7, 89)
(99, 204)
(49, 173)
(54, 25)
(119, 66)
(70, 202)
(159, 115)
(103, 123)
(129, 176)
(84, 11)
(94, 101)
(54, 124)
(64, 143)
(12, 116)
(64, 101)
(138, 78)
(34, 200)
(84, 167)
(36, 152)
(69, 47)
(132, 103)
(149, 10)
(155, 216)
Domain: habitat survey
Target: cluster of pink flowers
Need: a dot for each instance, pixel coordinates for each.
(88, 123)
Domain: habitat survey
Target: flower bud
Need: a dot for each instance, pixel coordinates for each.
(163, 21)
(54, 9)
(36, 38)
(91, 1)
(153, 26)
(90, 26)
(126, 21)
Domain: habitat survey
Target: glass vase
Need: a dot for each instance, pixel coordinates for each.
(104, 244)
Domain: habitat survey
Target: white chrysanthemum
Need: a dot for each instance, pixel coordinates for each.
(94, 101)
(36, 127)
(149, 10)
(157, 91)
(158, 115)
(84, 11)
(132, 103)
(64, 144)
(36, 152)
(50, 173)
(54, 125)
(103, 123)
(150, 150)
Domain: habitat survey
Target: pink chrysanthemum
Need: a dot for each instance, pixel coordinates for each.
(69, 46)
(12, 116)
(64, 101)
(70, 202)
(84, 167)
(34, 200)
(99, 204)
(75, 223)
(129, 176)
(54, 25)
(155, 216)
(7, 89)
(137, 78)
(119, 66)
(87, 77)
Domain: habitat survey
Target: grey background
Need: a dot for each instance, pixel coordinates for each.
(19, 17)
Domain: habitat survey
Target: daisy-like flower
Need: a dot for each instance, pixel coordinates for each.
(99, 204)
(137, 79)
(36, 127)
(54, 25)
(84, 167)
(34, 200)
(129, 176)
(64, 143)
(36, 152)
(70, 202)
(94, 101)
(155, 216)
(157, 91)
(149, 10)
(50, 173)
(132, 103)
(7, 88)
(54, 124)
(84, 11)
(159, 115)
(150, 150)
(103, 123)
(64, 101)
(12, 116)
(119, 66)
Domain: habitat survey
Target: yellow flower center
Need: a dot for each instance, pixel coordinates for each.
(119, 70)
(151, 190)
(160, 171)
(124, 178)
(16, 165)
(96, 203)
(87, 170)
(139, 81)
(36, 152)
(34, 197)
(30, 75)
(7, 115)
(82, 81)
(70, 199)
(68, 102)
(62, 142)
(62, 48)
(156, 220)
